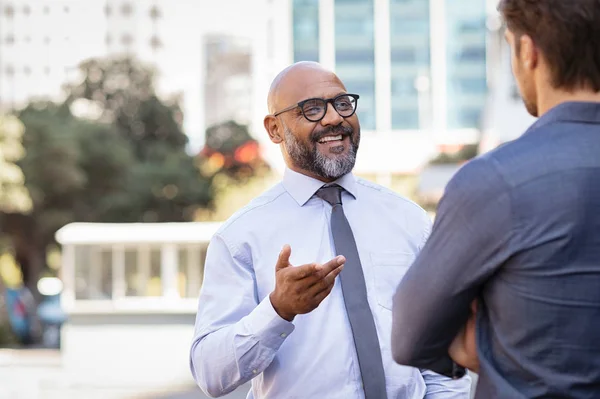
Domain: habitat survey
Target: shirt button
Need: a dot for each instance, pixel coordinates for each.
(283, 335)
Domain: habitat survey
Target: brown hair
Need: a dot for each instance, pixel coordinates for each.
(567, 32)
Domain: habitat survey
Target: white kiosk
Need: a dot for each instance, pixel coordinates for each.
(131, 292)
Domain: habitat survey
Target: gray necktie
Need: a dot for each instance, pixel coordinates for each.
(355, 298)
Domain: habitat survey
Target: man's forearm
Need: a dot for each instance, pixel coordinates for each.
(255, 341)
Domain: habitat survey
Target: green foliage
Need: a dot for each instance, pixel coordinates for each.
(123, 89)
(466, 153)
(13, 195)
(129, 164)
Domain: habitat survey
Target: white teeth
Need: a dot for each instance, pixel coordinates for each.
(330, 138)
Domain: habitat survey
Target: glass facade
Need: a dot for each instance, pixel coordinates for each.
(466, 62)
(355, 54)
(411, 69)
(305, 21)
(410, 63)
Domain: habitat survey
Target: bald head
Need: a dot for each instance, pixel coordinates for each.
(294, 82)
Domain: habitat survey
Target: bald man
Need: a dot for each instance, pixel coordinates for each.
(298, 285)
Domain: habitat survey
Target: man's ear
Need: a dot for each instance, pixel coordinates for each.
(528, 52)
(274, 129)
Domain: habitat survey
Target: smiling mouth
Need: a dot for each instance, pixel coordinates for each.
(327, 139)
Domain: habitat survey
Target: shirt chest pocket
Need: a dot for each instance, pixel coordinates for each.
(388, 270)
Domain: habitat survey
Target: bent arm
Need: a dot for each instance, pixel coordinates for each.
(236, 337)
(469, 242)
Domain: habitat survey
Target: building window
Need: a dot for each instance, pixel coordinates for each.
(471, 54)
(126, 39)
(108, 39)
(26, 10)
(10, 39)
(155, 42)
(126, 9)
(305, 20)
(466, 81)
(27, 71)
(355, 54)
(9, 11)
(107, 10)
(410, 57)
(471, 85)
(9, 70)
(46, 10)
(155, 13)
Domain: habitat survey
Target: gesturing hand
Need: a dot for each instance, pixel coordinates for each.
(300, 289)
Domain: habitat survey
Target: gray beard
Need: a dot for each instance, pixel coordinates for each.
(311, 159)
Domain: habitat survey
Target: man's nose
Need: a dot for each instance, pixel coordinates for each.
(331, 118)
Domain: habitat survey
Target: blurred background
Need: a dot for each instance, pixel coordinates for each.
(129, 129)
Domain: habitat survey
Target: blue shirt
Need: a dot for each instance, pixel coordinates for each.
(518, 228)
(238, 335)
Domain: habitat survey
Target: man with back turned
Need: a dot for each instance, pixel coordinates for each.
(518, 230)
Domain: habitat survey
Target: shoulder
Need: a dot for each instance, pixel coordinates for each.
(253, 213)
(478, 184)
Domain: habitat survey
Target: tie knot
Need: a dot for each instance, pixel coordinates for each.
(332, 194)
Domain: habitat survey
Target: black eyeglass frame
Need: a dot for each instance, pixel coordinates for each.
(327, 102)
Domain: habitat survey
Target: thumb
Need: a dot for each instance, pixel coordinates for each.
(284, 258)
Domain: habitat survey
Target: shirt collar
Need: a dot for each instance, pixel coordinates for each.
(570, 111)
(302, 187)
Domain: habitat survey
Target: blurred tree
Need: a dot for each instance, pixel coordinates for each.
(230, 149)
(164, 183)
(63, 187)
(13, 198)
(122, 90)
(464, 154)
(234, 160)
(127, 164)
(13, 194)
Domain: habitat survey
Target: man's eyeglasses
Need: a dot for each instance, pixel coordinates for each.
(315, 109)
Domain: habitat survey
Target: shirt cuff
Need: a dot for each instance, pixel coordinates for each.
(267, 326)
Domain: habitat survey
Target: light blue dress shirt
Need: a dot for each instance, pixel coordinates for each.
(238, 335)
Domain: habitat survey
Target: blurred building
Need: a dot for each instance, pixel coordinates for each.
(418, 65)
(43, 41)
(228, 83)
(429, 74)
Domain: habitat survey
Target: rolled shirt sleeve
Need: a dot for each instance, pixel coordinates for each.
(236, 337)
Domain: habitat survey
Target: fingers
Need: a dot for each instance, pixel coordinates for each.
(284, 258)
(327, 282)
(328, 267)
(304, 272)
(474, 304)
(313, 272)
(318, 298)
